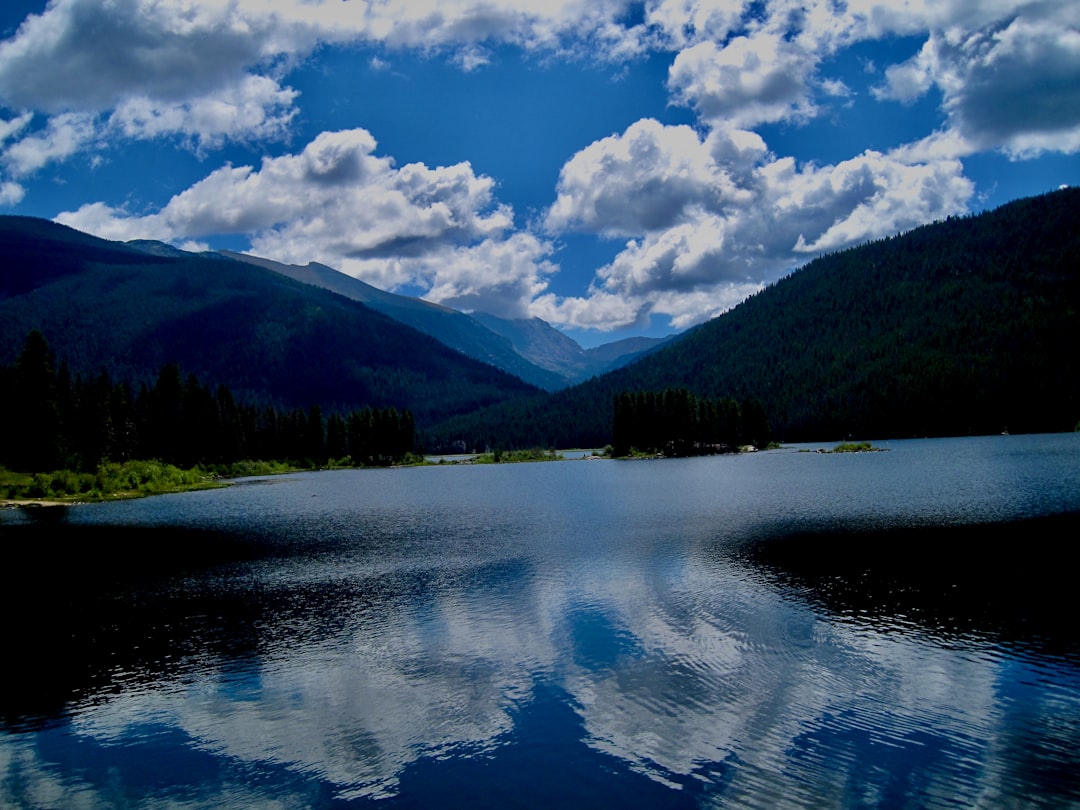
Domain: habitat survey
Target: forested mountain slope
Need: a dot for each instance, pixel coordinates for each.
(529, 348)
(105, 305)
(966, 326)
(456, 329)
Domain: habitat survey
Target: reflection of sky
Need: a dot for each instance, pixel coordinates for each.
(675, 673)
(682, 665)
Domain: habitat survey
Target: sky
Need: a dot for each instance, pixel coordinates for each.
(615, 168)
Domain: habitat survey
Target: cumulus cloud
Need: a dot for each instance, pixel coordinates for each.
(81, 54)
(64, 136)
(256, 107)
(1009, 72)
(339, 203)
(641, 180)
(723, 216)
(500, 276)
(136, 69)
(869, 196)
(85, 55)
(9, 129)
(211, 72)
(11, 193)
(748, 81)
(1013, 84)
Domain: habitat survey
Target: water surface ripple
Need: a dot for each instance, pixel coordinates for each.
(782, 629)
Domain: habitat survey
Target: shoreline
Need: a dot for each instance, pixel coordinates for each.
(22, 503)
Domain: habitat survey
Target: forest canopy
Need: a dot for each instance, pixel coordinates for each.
(60, 422)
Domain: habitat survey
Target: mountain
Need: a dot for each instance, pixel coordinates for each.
(132, 309)
(455, 329)
(528, 348)
(540, 343)
(967, 326)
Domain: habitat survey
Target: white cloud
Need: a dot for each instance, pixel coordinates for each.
(876, 194)
(11, 193)
(82, 54)
(64, 136)
(9, 129)
(748, 81)
(601, 311)
(714, 219)
(148, 70)
(472, 58)
(641, 180)
(836, 88)
(89, 56)
(255, 108)
(686, 22)
(1009, 72)
(338, 203)
(500, 276)
(1012, 84)
(1017, 87)
(212, 71)
(907, 81)
(141, 69)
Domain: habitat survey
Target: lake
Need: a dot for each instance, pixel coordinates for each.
(776, 629)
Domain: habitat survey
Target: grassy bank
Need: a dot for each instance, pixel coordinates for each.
(131, 479)
(137, 479)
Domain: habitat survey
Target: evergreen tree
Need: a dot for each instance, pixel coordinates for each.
(337, 446)
(315, 437)
(35, 436)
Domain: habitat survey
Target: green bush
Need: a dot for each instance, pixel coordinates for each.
(853, 447)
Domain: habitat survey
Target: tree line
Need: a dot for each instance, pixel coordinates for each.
(55, 422)
(676, 422)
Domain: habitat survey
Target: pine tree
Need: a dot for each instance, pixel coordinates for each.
(35, 433)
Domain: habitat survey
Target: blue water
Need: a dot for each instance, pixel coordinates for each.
(779, 629)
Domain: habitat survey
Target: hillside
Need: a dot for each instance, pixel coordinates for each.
(105, 305)
(455, 329)
(968, 326)
(531, 349)
(540, 343)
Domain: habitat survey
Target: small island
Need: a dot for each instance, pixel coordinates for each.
(499, 456)
(849, 447)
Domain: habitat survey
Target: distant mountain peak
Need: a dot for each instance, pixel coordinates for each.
(529, 348)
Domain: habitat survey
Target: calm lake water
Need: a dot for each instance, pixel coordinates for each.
(780, 629)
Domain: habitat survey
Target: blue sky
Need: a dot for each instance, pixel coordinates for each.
(615, 168)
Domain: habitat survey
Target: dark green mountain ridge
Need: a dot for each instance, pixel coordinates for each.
(455, 329)
(966, 326)
(108, 306)
(529, 348)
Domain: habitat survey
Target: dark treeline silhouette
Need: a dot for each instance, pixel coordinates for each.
(675, 422)
(57, 422)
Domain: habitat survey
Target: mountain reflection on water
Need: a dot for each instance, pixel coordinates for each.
(782, 629)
